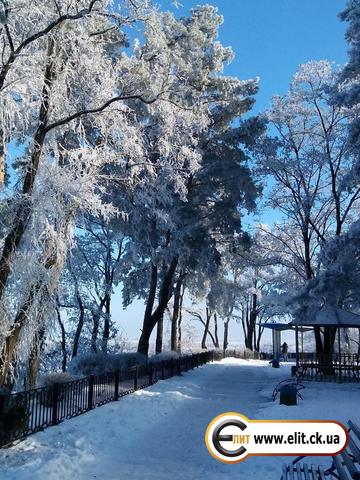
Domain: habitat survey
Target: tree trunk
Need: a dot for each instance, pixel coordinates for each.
(50, 260)
(80, 325)
(34, 360)
(175, 316)
(180, 318)
(143, 345)
(106, 332)
(258, 339)
(159, 335)
(206, 330)
(96, 325)
(165, 294)
(23, 214)
(8, 350)
(63, 339)
(2, 158)
(318, 340)
(216, 344)
(95, 331)
(226, 334)
(81, 320)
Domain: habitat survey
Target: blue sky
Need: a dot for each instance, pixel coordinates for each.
(270, 39)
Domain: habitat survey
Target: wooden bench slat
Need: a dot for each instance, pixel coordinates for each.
(350, 465)
(306, 471)
(346, 466)
(321, 473)
(355, 450)
(291, 472)
(314, 472)
(340, 469)
(355, 429)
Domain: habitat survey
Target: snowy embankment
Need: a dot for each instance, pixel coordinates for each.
(158, 433)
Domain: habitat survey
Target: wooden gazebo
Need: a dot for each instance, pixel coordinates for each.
(336, 366)
(277, 328)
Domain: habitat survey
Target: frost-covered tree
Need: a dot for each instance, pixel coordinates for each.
(196, 199)
(310, 160)
(349, 94)
(90, 276)
(64, 82)
(90, 114)
(337, 282)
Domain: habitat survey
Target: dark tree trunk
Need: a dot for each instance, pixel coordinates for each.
(251, 317)
(95, 331)
(175, 315)
(8, 350)
(165, 294)
(63, 339)
(80, 325)
(23, 214)
(258, 339)
(180, 318)
(226, 334)
(34, 360)
(2, 157)
(206, 330)
(216, 344)
(159, 335)
(318, 341)
(96, 325)
(106, 332)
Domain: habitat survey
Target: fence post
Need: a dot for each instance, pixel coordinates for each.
(3, 401)
(136, 377)
(117, 380)
(90, 392)
(186, 363)
(151, 380)
(197, 360)
(162, 369)
(171, 367)
(55, 402)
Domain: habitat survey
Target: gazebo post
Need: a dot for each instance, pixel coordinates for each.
(302, 342)
(297, 345)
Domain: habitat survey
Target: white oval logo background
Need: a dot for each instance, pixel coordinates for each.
(232, 437)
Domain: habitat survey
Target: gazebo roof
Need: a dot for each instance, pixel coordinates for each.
(331, 317)
(282, 326)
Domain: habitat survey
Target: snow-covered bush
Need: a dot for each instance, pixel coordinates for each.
(50, 379)
(159, 357)
(98, 363)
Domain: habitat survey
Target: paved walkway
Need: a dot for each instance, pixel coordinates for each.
(157, 433)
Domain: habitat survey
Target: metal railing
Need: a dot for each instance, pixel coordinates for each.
(336, 367)
(27, 412)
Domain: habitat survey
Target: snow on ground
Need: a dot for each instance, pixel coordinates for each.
(158, 433)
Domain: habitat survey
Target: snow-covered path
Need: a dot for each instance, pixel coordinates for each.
(158, 433)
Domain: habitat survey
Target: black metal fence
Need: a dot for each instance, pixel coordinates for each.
(336, 367)
(30, 411)
(27, 412)
(243, 354)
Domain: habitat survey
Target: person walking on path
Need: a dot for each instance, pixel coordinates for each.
(284, 351)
